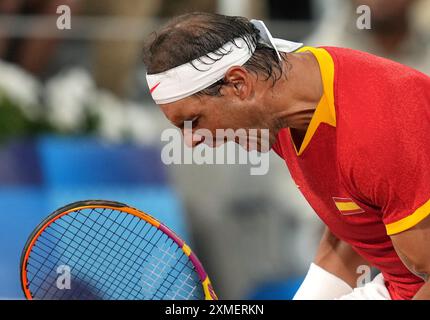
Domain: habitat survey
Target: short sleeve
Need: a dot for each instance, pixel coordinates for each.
(403, 191)
(389, 165)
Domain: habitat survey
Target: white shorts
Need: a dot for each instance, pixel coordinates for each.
(320, 284)
(374, 290)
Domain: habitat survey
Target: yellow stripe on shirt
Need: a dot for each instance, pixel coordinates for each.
(325, 110)
(410, 221)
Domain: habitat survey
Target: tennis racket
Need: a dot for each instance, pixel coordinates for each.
(107, 250)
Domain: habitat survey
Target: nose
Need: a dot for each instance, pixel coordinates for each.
(192, 139)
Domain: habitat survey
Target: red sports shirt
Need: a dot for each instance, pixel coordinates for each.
(364, 163)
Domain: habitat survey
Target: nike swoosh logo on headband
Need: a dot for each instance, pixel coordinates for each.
(154, 87)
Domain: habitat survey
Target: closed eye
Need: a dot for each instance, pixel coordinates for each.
(194, 121)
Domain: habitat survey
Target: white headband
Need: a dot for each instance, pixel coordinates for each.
(187, 79)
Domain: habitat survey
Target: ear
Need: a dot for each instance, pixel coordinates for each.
(239, 82)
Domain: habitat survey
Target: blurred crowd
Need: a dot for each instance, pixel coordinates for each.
(250, 231)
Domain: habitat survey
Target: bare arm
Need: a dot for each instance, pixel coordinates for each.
(412, 246)
(333, 273)
(338, 258)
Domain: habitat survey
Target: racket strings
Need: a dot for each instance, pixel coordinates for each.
(156, 273)
(83, 251)
(112, 255)
(146, 245)
(179, 284)
(123, 288)
(62, 245)
(44, 283)
(150, 243)
(76, 249)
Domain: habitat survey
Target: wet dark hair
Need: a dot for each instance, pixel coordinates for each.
(193, 35)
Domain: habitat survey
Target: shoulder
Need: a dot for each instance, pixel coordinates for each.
(383, 119)
(378, 101)
(353, 66)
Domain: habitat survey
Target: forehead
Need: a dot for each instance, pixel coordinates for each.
(179, 110)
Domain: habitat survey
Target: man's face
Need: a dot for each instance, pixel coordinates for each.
(228, 111)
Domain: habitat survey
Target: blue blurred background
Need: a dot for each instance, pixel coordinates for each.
(77, 122)
(41, 175)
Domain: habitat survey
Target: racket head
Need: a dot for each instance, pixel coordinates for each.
(63, 238)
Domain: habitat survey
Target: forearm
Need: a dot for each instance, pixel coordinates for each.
(412, 248)
(333, 273)
(338, 258)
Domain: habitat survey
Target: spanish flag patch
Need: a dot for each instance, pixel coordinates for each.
(347, 206)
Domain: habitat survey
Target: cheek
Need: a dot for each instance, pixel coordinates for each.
(235, 116)
(225, 118)
(244, 118)
(226, 114)
(217, 116)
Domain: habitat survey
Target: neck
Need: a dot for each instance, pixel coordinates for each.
(296, 96)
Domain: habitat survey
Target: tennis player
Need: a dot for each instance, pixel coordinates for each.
(353, 128)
